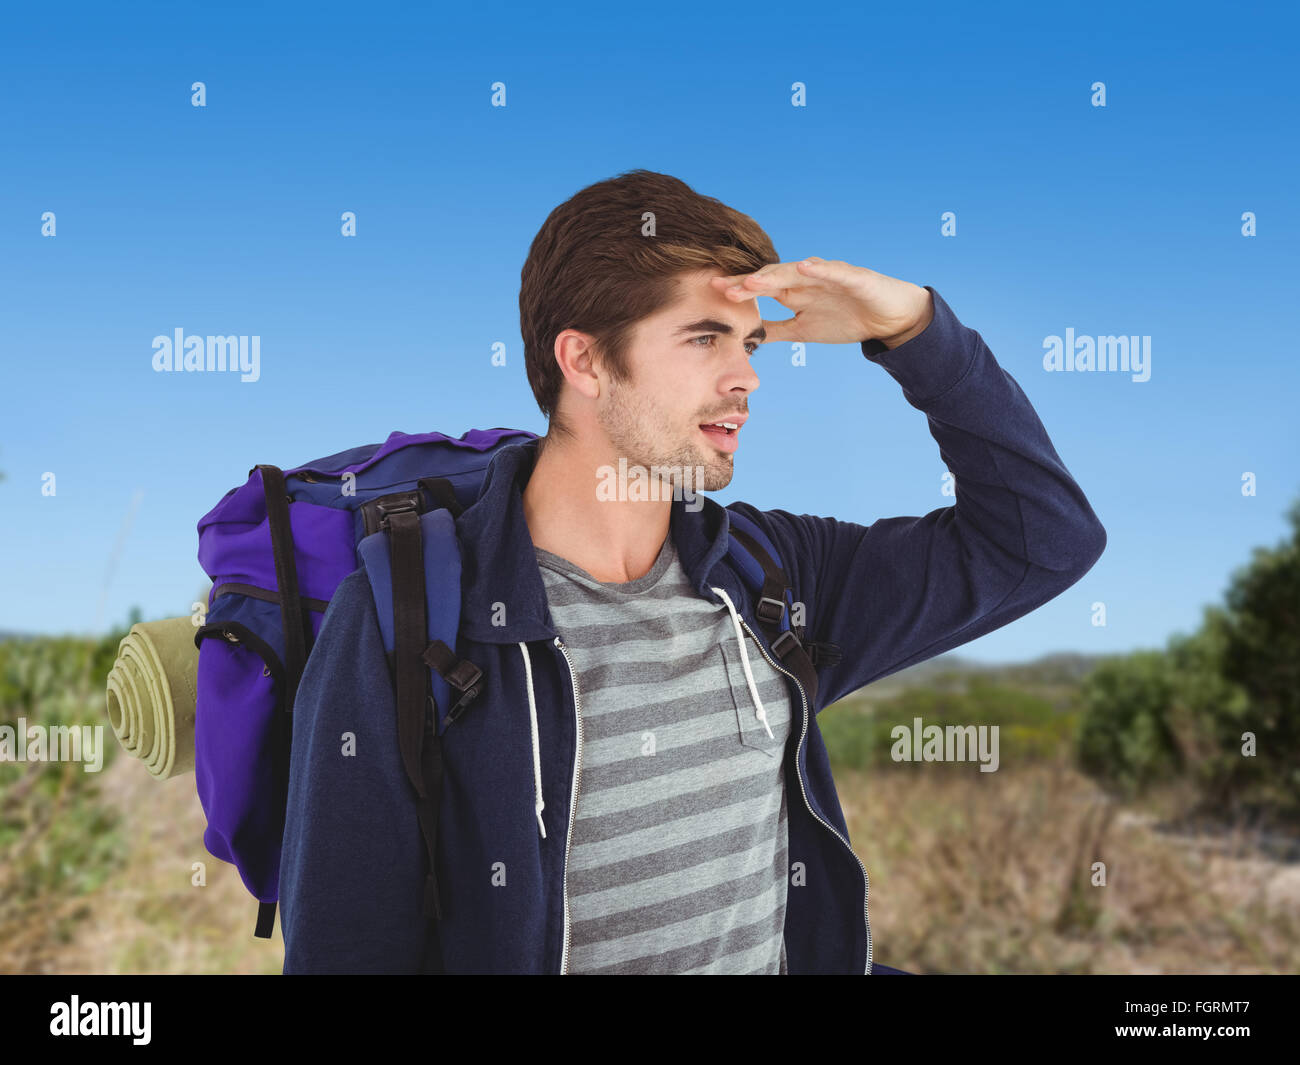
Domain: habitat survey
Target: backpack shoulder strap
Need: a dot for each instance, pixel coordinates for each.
(759, 563)
(413, 564)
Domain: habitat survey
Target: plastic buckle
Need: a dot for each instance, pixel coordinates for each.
(464, 677)
(781, 645)
(385, 509)
(769, 617)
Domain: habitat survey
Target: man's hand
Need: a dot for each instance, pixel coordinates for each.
(834, 302)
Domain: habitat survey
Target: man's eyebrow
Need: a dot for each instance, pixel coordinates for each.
(713, 325)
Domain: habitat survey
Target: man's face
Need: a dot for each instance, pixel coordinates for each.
(689, 365)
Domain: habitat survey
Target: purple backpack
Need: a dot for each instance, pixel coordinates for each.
(276, 548)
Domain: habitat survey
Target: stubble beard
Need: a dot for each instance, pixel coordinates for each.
(641, 433)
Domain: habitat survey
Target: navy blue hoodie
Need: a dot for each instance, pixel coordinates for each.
(888, 595)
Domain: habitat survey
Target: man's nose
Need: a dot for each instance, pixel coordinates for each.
(747, 378)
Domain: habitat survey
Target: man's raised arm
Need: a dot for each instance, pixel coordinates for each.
(905, 589)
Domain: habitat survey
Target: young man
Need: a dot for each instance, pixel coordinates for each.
(641, 787)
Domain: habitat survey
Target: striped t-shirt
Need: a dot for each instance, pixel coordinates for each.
(679, 852)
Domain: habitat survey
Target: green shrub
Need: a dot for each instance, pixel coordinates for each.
(1030, 728)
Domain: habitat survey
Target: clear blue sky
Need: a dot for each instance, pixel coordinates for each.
(225, 220)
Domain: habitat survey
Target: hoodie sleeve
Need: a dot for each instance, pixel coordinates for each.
(905, 589)
(351, 867)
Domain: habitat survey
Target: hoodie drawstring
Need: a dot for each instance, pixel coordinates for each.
(537, 752)
(759, 713)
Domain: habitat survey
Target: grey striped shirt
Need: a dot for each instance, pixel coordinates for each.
(679, 855)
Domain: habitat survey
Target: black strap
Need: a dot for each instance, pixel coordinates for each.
(253, 592)
(431, 765)
(460, 673)
(443, 494)
(770, 607)
(297, 640)
(770, 610)
(417, 738)
(296, 630)
(265, 920)
(823, 654)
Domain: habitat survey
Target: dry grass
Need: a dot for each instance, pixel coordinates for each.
(991, 873)
(970, 873)
(148, 916)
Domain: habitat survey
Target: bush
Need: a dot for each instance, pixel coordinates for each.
(1125, 740)
(1187, 711)
(1029, 727)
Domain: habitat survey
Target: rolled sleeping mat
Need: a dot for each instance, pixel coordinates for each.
(152, 692)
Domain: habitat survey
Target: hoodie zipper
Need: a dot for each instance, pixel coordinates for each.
(573, 799)
(804, 698)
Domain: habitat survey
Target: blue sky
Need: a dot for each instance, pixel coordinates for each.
(225, 220)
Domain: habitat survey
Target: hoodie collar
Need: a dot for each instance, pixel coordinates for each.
(499, 564)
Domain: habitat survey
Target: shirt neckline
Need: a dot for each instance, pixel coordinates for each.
(559, 564)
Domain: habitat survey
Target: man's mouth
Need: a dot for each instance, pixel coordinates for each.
(723, 435)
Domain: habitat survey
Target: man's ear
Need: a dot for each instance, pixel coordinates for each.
(575, 356)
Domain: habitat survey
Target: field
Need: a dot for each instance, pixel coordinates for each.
(970, 872)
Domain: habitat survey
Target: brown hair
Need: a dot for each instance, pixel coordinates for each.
(596, 265)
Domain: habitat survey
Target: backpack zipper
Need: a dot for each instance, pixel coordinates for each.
(573, 800)
(258, 648)
(804, 697)
(266, 670)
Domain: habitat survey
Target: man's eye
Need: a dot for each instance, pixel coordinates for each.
(752, 345)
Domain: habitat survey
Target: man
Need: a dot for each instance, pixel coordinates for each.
(641, 787)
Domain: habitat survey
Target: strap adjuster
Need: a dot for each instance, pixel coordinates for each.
(464, 678)
(781, 646)
(387, 508)
(770, 610)
(459, 673)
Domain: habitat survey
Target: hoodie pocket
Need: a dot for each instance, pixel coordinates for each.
(750, 729)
